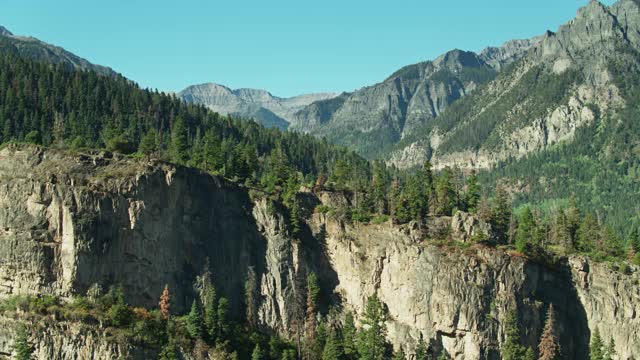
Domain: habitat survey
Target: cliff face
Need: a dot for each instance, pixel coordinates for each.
(71, 221)
(69, 341)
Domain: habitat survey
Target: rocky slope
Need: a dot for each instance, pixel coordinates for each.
(565, 82)
(71, 221)
(271, 111)
(378, 116)
(41, 51)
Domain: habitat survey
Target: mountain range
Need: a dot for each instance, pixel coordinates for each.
(527, 95)
(373, 118)
(260, 105)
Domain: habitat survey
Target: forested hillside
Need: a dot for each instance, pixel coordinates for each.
(55, 106)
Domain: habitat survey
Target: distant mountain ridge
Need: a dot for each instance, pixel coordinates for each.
(372, 119)
(42, 51)
(258, 104)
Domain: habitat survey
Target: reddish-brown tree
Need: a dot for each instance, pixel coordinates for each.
(548, 348)
(165, 302)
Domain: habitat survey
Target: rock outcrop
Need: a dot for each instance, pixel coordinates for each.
(69, 221)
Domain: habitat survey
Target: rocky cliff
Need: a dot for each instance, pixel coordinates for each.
(69, 221)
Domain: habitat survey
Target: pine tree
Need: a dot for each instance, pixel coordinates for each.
(611, 350)
(511, 349)
(596, 348)
(349, 336)
(165, 303)
(257, 353)
(195, 325)
(501, 212)
(633, 244)
(179, 142)
(399, 355)
(294, 219)
(169, 352)
(341, 174)
(311, 326)
(526, 230)
(223, 321)
(549, 347)
(588, 233)
(21, 344)
(445, 194)
(472, 198)
(149, 143)
(421, 350)
(211, 314)
(332, 347)
(317, 346)
(372, 338)
(529, 355)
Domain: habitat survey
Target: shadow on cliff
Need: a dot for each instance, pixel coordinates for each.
(554, 285)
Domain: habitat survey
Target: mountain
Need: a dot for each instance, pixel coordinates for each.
(566, 81)
(559, 124)
(41, 51)
(260, 105)
(374, 118)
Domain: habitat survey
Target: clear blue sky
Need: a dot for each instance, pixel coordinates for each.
(288, 47)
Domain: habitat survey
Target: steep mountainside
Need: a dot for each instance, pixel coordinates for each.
(560, 123)
(41, 51)
(74, 222)
(260, 105)
(566, 82)
(376, 117)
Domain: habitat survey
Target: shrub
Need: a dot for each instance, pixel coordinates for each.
(380, 219)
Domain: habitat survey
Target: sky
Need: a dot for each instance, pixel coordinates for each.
(288, 47)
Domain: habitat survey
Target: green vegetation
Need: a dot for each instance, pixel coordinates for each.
(21, 347)
(512, 349)
(599, 170)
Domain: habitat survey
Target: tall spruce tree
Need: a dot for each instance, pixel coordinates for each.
(332, 347)
(596, 348)
(179, 142)
(21, 344)
(372, 342)
(349, 337)
(472, 197)
(512, 349)
(549, 347)
(211, 314)
(501, 213)
(195, 325)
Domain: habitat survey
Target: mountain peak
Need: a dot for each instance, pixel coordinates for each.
(593, 9)
(4, 31)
